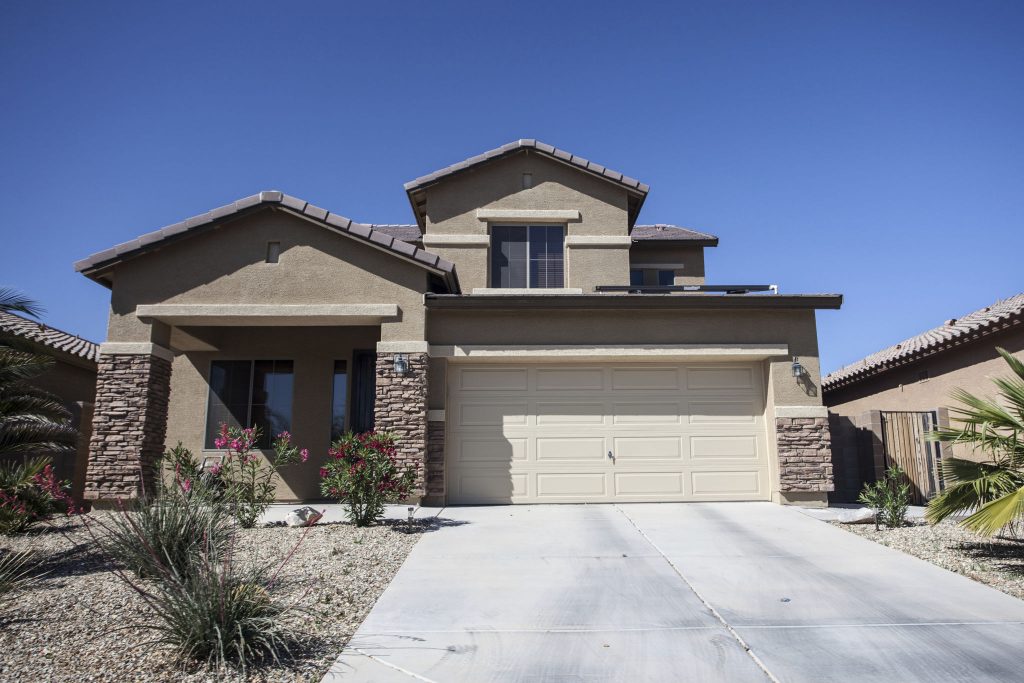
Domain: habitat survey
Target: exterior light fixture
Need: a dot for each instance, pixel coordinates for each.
(401, 364)
(412, 511)
(798, 369)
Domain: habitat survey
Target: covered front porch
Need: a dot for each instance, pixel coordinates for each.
(314, 371)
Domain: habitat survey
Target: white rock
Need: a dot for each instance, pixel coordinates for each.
(855, 516)
(306, 516)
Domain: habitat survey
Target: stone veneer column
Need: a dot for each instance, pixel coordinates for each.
(129, 423)
(435, 460)
(805, 454)
(401, 408)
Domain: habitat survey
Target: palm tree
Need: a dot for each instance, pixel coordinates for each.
(32, 421)
(993, 491)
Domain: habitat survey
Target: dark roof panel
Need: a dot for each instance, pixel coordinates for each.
(662, 231)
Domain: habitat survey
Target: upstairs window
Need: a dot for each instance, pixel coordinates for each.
(640, 277)
(528, 256)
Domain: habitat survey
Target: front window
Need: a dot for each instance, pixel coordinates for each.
(339, 401)
(528, 256)
(245, 393)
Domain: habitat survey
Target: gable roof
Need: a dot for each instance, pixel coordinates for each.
(673, 233)
(94, 266)
(954, 332)
(637, 190)
(50, 337)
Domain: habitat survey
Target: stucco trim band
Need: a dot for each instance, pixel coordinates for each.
(725, 352)
(801, 411)
(541, 215)
(435, 416)
(456, 240)
(402, 347)
(518, 290)
(266, 314)
(598, 240)
(135, 349)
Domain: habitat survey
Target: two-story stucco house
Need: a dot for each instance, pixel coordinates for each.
(525, 340)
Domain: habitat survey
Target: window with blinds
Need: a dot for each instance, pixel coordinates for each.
(528, 256)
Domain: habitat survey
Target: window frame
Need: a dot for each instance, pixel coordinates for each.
(491, 273)
(249, 400)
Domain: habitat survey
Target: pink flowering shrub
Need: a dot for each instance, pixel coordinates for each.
(364, 474)
(249, 482)
(30, 492)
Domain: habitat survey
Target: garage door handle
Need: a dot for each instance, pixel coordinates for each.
(611, 456)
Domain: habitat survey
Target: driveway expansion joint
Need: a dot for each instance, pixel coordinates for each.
(728, 627)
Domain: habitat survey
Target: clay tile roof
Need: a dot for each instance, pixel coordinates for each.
(400, 231)
(91, 265)
(953, 332)
(662, 231)
(50, 337)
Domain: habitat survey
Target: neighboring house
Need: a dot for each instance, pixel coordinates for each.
(915, 376)
(72, 378)
(485, 336)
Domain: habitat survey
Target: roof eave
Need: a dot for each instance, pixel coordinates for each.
(633, 301)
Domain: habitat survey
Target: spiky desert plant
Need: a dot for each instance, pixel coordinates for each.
(991, 492)
(17, 570)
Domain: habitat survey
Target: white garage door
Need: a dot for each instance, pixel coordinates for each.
(556, 433)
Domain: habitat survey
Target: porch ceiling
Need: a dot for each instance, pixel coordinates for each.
(271, 315)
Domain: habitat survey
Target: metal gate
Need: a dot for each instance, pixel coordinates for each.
(904, 444)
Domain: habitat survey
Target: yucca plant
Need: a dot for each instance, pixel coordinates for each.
(17, 570)
(32, 421)
(991, 492)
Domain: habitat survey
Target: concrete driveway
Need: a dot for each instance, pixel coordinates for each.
(675, 592)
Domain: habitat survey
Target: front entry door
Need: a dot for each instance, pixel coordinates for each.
(364, 389)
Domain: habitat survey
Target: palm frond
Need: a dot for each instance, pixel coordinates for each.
(17, 365)
(31, 403)
(28, 436)
(13, 301)
(995, 515)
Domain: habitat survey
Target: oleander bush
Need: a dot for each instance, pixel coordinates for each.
(364, 474)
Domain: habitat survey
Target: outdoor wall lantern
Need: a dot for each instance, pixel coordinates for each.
(798, 370)
(401, 364)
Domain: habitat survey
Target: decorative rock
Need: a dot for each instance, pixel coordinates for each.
(855, 516)
(305, 516)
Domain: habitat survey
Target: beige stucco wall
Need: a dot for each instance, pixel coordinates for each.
(227, 266)
(452, 205)
(313, 351)
(690, 259)
(796, 328)
(970, 367)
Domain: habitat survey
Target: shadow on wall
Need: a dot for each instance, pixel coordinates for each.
(853, 457)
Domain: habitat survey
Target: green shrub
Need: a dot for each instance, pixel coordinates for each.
(29, 493)
(169, 534)
(249, 482)
(889, 498)
(364, 474)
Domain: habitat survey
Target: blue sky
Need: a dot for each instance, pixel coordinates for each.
(869, 148)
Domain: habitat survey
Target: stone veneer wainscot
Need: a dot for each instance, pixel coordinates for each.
(805, 454)
(401, 408)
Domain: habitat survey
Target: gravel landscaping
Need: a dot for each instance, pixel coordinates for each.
(997, 562)
(79, 622)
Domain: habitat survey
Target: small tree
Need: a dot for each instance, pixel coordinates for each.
(889, 498)
(364, 475)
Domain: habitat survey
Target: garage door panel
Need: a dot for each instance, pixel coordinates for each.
(649, 484)
(719, 378)
(581, 484)
(627, 448)
(647, 412)
(565, 413)
(542, 432)
(645, 379)
(492, 414)
(570, 379)
(490, 451)
(726, 483)
(493, 379)
(550, 449)
(723, 447)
